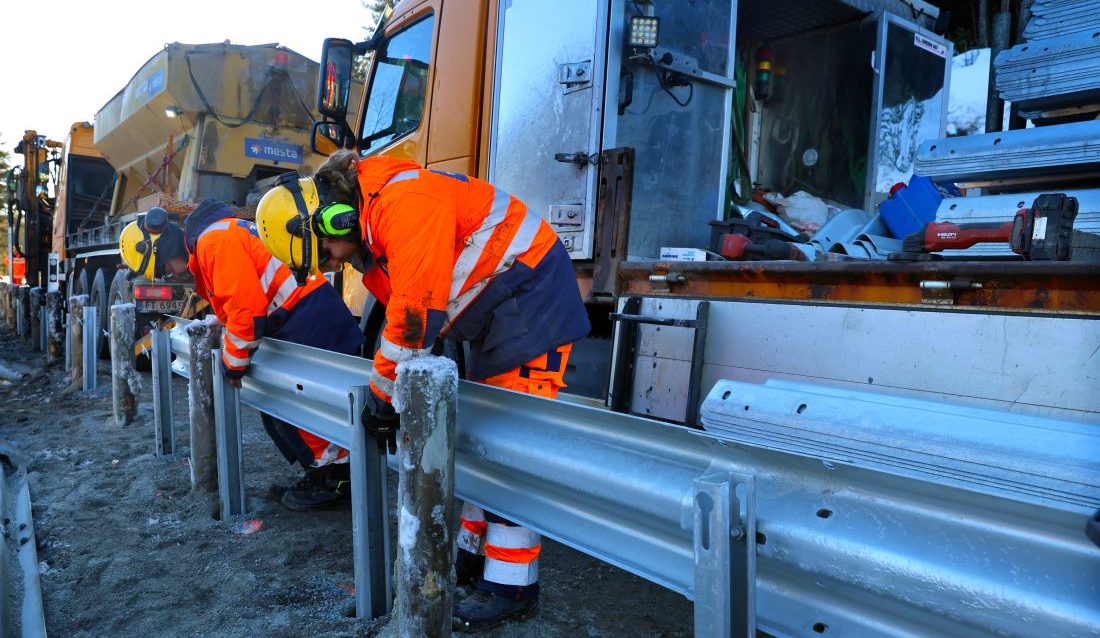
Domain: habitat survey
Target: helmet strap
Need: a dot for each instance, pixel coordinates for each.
(290, 181)
(145, 247)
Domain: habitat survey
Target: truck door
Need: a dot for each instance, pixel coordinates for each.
(912, 76)
(548, 90)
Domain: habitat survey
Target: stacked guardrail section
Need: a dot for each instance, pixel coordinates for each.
(1058, 68)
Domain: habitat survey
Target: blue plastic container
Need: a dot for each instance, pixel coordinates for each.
(911, 207)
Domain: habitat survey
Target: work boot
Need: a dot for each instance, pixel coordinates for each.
(481, 610)
(320, 487)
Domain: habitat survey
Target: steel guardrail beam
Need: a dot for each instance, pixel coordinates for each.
(839, 547)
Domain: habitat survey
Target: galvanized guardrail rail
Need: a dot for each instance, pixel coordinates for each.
(791, 535)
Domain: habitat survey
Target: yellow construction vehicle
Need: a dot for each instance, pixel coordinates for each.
(32, 198)
(196, 121)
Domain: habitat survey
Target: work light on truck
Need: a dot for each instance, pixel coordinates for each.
(643, 31)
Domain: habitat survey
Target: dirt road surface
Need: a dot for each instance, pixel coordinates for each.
(125, 549)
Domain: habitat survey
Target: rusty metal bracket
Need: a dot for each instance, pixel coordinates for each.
(612, 219)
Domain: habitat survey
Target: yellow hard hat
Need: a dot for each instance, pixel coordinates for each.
(147, 244)
(283, 221)
(136, 247)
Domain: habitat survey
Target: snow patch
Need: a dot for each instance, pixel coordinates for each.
(442, 374)
(967, 96)
(407, 527)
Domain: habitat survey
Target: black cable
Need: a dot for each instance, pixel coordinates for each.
(210, 109)
(294, 90)
(663, 81)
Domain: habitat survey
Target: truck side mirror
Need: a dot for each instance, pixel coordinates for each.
(334, 79)
(327, 137)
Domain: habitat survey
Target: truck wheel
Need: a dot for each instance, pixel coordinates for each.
(97, 296)
(80, 283)
(121, 291)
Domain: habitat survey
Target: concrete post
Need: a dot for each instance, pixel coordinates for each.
(55, 337)
(204, 336)
(125, 382)
(5, 313)
(426, 397)
(34, 307)
(76, 341)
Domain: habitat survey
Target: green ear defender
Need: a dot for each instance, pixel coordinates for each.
(335, 220)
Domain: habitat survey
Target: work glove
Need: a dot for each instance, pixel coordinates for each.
(381, 421)
(234, 376)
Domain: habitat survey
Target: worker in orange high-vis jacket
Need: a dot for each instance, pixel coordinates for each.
(454, 257)
(254, 295)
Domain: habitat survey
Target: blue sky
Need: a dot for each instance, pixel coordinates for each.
(63, 59)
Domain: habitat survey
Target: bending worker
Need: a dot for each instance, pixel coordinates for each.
(451, 256)
(254, 296)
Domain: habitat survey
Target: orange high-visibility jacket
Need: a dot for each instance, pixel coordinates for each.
(465, 260)
(242, 281)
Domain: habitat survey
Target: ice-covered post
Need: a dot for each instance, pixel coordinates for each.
(204, 336)
(125, 382)
(35, 307)
(55, 338)
(426, 397)
(21, 309)
(76, 341)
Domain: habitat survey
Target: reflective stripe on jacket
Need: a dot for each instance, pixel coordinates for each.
(466, 260)
(243, 283)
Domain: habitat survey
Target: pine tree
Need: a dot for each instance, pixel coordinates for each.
(5, 166)
(376, 9)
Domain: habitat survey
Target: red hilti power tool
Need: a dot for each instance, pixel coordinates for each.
(1043, 232)
(738, 247)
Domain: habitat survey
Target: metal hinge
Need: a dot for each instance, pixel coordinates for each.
(943, 292)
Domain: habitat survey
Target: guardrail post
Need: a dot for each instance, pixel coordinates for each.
(43, 328)
(76, 341)
(124, 380)
(68, 342)
(227, 426)
(203, 337)
(55, 340)
(164, 430)
(21, 311)
(426, 398)
(89, 342)
(34, 314)
(725, 556)
(370, 529)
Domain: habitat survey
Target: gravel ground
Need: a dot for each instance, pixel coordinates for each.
(126, 549)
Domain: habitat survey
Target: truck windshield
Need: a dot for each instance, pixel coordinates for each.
(398, 86)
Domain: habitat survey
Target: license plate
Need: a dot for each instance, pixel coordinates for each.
(162, 306)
